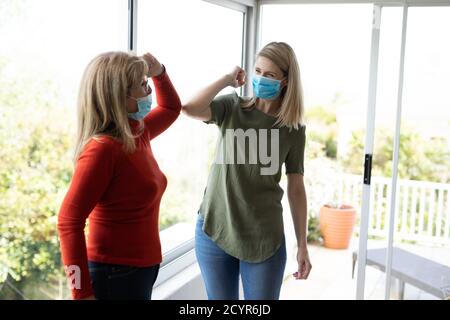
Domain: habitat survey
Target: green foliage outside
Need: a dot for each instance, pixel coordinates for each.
(34, 173)
(324, 131)
(419, 159)
(314, 234)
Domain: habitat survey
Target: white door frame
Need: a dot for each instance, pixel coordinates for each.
(368, 152)
(370, 132)
(395, 156)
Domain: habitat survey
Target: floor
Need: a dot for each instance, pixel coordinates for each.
(331, 276)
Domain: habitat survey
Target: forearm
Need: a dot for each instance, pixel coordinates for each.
(166, 94)
(298, 206)
(199, 103)
(74, 256)
(168, 108)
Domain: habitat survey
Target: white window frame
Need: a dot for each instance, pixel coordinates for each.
(132, 26)
(384, 3)
(250, 42)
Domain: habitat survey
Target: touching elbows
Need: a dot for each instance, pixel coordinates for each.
(186, 110)
(192, 111)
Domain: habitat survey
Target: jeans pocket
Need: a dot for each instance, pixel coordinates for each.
(117, 272)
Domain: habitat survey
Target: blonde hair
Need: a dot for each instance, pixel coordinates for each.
(102, 99)
(291, 112)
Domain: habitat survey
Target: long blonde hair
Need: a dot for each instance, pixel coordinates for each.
(291, 112)
(102, 99)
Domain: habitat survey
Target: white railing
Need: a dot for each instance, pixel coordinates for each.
(422, 208)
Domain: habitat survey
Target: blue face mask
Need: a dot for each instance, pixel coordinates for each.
(144, 107)
(266, 88)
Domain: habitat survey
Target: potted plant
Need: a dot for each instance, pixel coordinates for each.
(336, 225)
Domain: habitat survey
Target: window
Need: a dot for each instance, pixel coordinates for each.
(46, 46)
(423, 211)
(197, 42)
(332, 44)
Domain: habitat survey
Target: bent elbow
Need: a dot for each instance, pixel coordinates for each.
(185, 109)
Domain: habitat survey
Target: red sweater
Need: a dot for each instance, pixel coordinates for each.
(121, 194)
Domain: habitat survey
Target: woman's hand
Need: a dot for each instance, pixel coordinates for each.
(236, 78)
(154, 67)
(304, 265)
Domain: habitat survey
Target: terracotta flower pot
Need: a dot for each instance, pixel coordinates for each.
(336, 226)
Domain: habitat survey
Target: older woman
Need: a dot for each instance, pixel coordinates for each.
(117, 182)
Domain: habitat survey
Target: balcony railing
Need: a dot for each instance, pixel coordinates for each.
(422, 208)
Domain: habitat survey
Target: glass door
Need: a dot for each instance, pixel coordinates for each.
(332, 44)
(407, 206)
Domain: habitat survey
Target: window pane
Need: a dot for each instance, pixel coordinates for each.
(427, 72)
(46, 46)
(423, 200)
(197, 42)
(332, 44)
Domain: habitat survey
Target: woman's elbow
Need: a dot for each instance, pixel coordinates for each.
(191, 111)
(186, 110)
(63, 224)
(194, 111)
(70, 219)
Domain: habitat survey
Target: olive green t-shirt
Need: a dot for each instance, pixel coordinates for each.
(242, 200)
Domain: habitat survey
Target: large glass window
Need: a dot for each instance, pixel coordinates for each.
(197, 42)
(422, 222)
(423, 212)
(45, 47)
(332, 44)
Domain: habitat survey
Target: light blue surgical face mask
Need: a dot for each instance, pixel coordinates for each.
(144, 107)
(266, 88)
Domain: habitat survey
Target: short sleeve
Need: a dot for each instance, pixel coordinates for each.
(295, 157)
(221, 108)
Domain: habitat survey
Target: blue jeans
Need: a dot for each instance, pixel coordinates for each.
(119, 282)
(220, 271)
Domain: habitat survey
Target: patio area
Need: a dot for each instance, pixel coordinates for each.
(331, 276)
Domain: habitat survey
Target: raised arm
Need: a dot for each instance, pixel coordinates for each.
(197, 107)
(168, 102)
